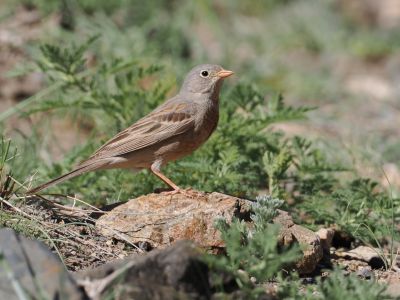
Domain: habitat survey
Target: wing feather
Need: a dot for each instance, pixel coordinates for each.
(167, 121)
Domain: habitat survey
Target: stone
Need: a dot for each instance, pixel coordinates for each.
(393, 284)
(176, 272)
(309, 242)
(29, 270)
(326, 236)
(364, 253)
(365, 272)
(158, 220)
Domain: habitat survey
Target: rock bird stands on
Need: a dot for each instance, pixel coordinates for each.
(173, 130)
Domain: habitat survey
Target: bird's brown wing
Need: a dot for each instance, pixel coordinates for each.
(169, 120)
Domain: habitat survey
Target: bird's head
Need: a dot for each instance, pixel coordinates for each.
(205, 79)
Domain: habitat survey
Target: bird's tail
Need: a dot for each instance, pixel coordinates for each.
(78, 171)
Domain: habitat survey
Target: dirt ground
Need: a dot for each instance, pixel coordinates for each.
(71, 234)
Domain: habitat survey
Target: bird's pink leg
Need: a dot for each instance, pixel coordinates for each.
(155, 168)
(166, 180)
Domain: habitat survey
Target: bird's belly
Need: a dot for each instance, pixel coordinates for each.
(181, 146)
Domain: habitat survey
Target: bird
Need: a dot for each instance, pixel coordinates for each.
(173, 130)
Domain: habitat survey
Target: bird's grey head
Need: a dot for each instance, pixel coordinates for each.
(205, 79)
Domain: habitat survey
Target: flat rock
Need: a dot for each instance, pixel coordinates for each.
(159, 220)
(176, 272)
(29, 270)
(363, 253)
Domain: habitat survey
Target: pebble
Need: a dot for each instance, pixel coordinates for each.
(365, 273)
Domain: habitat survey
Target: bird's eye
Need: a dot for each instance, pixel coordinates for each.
(204, 74)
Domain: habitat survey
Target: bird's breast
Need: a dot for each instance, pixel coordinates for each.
(205, 123)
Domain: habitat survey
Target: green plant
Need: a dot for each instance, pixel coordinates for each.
(357, 207)
(7, 156)
(253, 252)
(338, 286)
(276, 164)
(335, 286)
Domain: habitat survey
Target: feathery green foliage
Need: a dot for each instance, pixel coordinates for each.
(253, 252)
(359, 208)
(336, 286)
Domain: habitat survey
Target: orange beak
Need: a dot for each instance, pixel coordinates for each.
(224, 73)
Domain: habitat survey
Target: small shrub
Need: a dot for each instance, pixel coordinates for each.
(253, 252)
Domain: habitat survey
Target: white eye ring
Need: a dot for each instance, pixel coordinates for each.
(204, 74)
